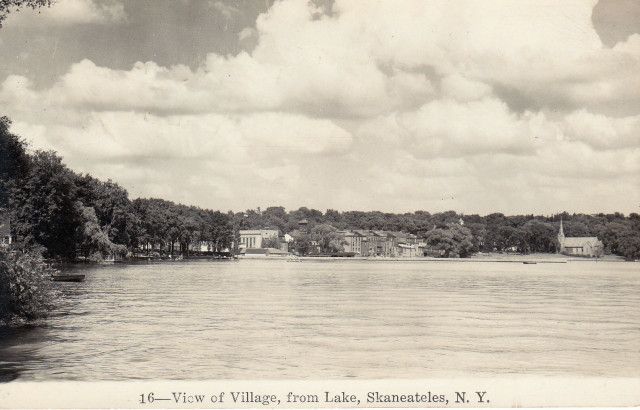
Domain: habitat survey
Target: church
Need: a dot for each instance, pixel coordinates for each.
(589, 246)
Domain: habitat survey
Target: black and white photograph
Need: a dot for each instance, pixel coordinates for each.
(319, 203)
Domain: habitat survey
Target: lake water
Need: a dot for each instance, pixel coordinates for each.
(335, 319)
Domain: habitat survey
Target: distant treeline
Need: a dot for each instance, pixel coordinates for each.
(69, 215)
(492, 233)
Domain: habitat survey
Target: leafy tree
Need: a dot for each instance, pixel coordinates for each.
(478, 232)
(611, 235)
(275, 217)
(574, 228)
(453, 241)
(327, 238)
(629, 245)
(510, 237)
(302, 242)
(273, 242)
(14, 160)
(93, 242)
(112, 207)
(540, 236)
(44, 207)
(25, 287)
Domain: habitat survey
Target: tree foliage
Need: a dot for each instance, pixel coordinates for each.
(273, 242)
(70, 215)
(25, 287)
(14, 161)
(44, 206)
(326, 238)
(453, 241)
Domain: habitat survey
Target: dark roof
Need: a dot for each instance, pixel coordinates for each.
(576, 242)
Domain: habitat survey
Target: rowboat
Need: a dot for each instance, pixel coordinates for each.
(68, 277)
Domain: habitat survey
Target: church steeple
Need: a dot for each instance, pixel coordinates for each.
(561, 237)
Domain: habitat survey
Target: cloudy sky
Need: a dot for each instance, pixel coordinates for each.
(476, 106)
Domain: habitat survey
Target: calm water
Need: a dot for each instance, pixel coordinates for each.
(338, 319)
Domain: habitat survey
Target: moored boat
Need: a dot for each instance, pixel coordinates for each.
(68, 277)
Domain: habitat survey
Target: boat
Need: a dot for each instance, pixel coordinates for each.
(68, 277)
(529, 262)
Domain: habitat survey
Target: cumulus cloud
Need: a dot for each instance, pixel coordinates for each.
(359, 62)
(476, 106)
(602, 132)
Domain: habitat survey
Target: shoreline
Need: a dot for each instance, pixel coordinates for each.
(536, 258)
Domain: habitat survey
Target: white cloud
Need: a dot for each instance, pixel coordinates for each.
(446, 128)
(463, 89)
(602, 132)
(476, 106)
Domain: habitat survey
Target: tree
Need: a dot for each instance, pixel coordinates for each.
(112, 207)
(327, 238)
(541, 236)
(478, 232)
(275, 217)
(272, 242)
(14, 160)
(302, 242)
(611, 235)
(629, 245)
(510, 237)
(93, 243)
(44, 207)
(453, 240)
(25, 287)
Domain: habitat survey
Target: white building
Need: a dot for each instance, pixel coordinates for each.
(589, 246)
(253, 238)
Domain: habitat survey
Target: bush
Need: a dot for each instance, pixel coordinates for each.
(26, 292)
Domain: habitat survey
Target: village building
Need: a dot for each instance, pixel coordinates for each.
(383, 243)
(589, 246)
(408, 251)
(352, 241)
(368, 243)
(406, 245)
(254, 238)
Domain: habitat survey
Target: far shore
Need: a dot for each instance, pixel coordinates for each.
(534, 258)
(479, 257)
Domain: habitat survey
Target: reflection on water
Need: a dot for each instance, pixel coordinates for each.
(335, 319)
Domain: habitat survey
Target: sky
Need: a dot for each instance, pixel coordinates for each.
(479, 107)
